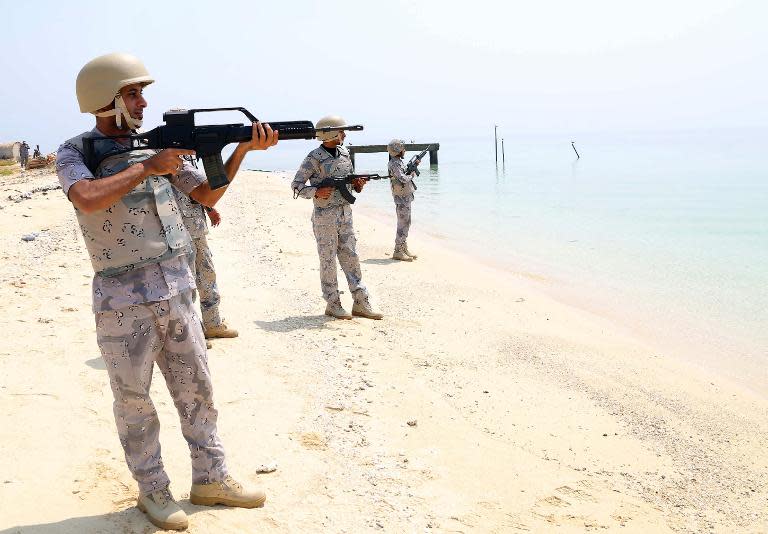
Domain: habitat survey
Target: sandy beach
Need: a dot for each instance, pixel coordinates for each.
(479, 403)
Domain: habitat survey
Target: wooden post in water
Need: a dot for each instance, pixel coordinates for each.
(503, 159)
(574, 149)
(495, 144)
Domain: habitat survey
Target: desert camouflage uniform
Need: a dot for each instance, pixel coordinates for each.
(142, 316)
(402, 193)
(331, 221)
(205, 275)
(168, 332)
(23, 155)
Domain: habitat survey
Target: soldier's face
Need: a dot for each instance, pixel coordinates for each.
(134, 100)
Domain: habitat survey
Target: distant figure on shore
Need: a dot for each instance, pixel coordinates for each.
(402, 193)
(143, 282)
(332, 221)
(36, 153)
(194, 216)
(23, 154)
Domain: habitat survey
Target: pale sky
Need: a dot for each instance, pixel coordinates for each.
(428, 68)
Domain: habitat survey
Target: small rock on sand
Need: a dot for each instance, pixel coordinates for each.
(267, 468)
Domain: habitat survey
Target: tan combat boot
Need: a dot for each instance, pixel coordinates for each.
(228, 492)
(362, 308)
(221, 330)
(208, 344)
(399, 254)
(335, 309)
(162, 510)
(408, 252)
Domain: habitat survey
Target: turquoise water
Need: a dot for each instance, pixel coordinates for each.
(670, 229)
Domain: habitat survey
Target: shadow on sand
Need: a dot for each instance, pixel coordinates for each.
(289, 324)
(380, 261)
(96, 363)
(125, 521)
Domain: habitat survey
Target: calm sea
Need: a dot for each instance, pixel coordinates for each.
(665, 232)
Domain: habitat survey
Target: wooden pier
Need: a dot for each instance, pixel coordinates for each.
(409, 147)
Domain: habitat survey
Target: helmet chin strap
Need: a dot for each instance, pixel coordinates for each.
(121, 112)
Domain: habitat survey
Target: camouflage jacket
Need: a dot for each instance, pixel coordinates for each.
(316, 167)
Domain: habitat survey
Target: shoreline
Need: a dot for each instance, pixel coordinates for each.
(680, 340)
(528, 414)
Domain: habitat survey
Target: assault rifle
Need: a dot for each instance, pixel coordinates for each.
(207, 141)
(413, 165)
(341, 182)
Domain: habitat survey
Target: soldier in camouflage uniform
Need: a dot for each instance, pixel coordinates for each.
(23, 154)
(143, 285)
(194, 216)
(332, 221)
(402, 192)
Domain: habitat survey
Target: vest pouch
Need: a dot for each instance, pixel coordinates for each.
(143, 227)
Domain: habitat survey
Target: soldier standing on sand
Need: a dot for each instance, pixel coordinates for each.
(143, 282)
(23, 154)
(402, 192)
(194, 215)
(332, 221)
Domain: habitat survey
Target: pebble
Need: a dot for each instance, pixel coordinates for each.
(271, 467)
(412, 422)
(29, 237)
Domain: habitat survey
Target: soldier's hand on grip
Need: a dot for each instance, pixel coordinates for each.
(324, 192)
(262, 138)
(167, 161)
(357, 184)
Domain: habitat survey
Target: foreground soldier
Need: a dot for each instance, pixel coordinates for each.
(193, 214)
(143, 285)
(332, 221)
(402, 193)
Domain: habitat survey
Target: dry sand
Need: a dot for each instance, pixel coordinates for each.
(527, 415)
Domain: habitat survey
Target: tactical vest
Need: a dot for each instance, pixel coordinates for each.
(399, 189)
(145, 226)
(331, 167)
(193, 215)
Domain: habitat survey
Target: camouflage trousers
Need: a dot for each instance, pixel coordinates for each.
(403, 211)
(205, 280)
(336, 239)
(168, 332)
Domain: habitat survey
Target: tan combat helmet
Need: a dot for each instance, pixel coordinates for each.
(395, 147)
(100, 80)
(330, 120)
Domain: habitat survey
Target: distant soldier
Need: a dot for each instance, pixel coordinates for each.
(193, 214)
(402, 193)
(36, 153)
(332, 220)
(23, 154)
